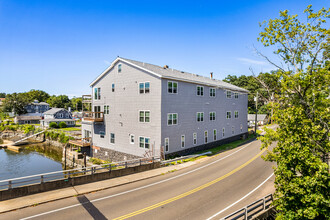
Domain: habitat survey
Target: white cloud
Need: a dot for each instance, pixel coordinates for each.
(252, 62)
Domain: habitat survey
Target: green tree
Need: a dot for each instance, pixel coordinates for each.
(39, 95)
(16, 102)
(302, 113)
(61, 101)
(76, 103)
(2, 95)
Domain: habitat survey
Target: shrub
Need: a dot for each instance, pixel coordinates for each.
(53, 125)
(179, 161)
(1, 141)
(62, 124)
(173, 163)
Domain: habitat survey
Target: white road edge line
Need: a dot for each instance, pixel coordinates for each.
(136, 189)
(240, 198)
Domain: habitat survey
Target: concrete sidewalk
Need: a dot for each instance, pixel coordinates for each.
(39, 198)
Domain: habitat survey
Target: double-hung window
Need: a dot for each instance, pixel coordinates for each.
(166, 144)
(236, 114)
(228, 115)
(144, 142)
(195, 138)
(144, 87)
(205, 137)
(106, 110)
(241, 128)
(223, 132)
(236, 95)
(97, 93)
(113, 87)
(182, 141)
(144, 116)
(212, 116)
(172, 87)
(228, 94)
(119, 68)
(102, 133)
(200, 116)
(212, 92)
(131, 138)
(172, 118)
(112, 138)
(200, 90)
(215, 134)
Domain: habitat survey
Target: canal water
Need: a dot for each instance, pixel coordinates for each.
(32, 159)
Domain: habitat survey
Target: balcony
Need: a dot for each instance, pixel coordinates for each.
(83, 142)
(86, 99)
(93, 116)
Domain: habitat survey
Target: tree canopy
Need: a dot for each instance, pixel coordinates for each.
(302, 113)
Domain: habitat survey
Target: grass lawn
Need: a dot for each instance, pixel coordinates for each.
(70, 129)
(228, 146)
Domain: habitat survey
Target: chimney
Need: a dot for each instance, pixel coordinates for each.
(165, 67)
(211, 75)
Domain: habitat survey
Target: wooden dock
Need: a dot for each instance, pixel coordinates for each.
(9, 145)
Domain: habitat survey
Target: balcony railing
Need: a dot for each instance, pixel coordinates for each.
(93, 116)
(83, 142)
(86, 99)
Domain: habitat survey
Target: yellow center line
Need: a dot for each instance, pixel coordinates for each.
(191, 191)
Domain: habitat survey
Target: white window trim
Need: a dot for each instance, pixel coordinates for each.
(236, 93)
(235, 115)
(215, 116)
(231, 94)
(194, 138)
(184, 141)
(144, 116)
(207, 133)
(119, 65)
(197, 116)
(227, 115)
(216, 134)
(197, 90)
(130, 138)
(144, 147)
(177, 87)
(215, 92)
(114, 138)
(177, 119)
(144, 87)
(168, 142)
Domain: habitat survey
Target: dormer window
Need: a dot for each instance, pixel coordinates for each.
(119, 68)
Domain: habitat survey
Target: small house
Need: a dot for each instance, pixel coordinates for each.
(261, 118)
(57, 115)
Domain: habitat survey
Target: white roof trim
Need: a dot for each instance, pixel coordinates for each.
(113, 64)
(202, 83)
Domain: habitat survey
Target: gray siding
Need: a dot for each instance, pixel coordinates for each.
(124, 105)
(186, 103)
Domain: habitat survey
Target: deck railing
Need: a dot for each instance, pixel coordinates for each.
(93, 116)
(66, 174)
(82, 142)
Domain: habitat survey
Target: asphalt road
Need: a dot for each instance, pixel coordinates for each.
(196, 192)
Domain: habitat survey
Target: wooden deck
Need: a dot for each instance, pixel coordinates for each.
(84, 142)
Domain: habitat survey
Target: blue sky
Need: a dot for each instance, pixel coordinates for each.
(60, 46)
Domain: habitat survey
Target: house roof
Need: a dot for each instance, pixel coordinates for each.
(53, 111)
(57, 119)
(20, 118)
(173, 74)
(260, 117)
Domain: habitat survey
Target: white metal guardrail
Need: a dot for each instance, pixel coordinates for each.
(65, 174)
(184, 157)
(252, 209)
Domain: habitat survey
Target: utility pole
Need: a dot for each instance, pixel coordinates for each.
(256, 118)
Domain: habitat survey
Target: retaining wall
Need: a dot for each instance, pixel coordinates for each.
(78, 180)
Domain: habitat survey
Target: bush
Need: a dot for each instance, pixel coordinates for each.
(1, 141)
(62, 124)
(53, 125)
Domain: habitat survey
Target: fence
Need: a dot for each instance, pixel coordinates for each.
(66, 174)
(249, 211)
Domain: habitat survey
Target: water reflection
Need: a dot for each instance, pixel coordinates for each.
(33, 159)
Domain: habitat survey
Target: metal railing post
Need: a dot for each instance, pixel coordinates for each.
(264, 203)
(9, 184)
(125, 164)
(140, 162)
(246, 213)
(42, 179)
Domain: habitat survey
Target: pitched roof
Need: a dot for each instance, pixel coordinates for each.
(28, 117)
(53, 111)
(169, 73)
(260, 117)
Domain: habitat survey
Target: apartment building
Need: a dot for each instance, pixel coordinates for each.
(141, 110)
